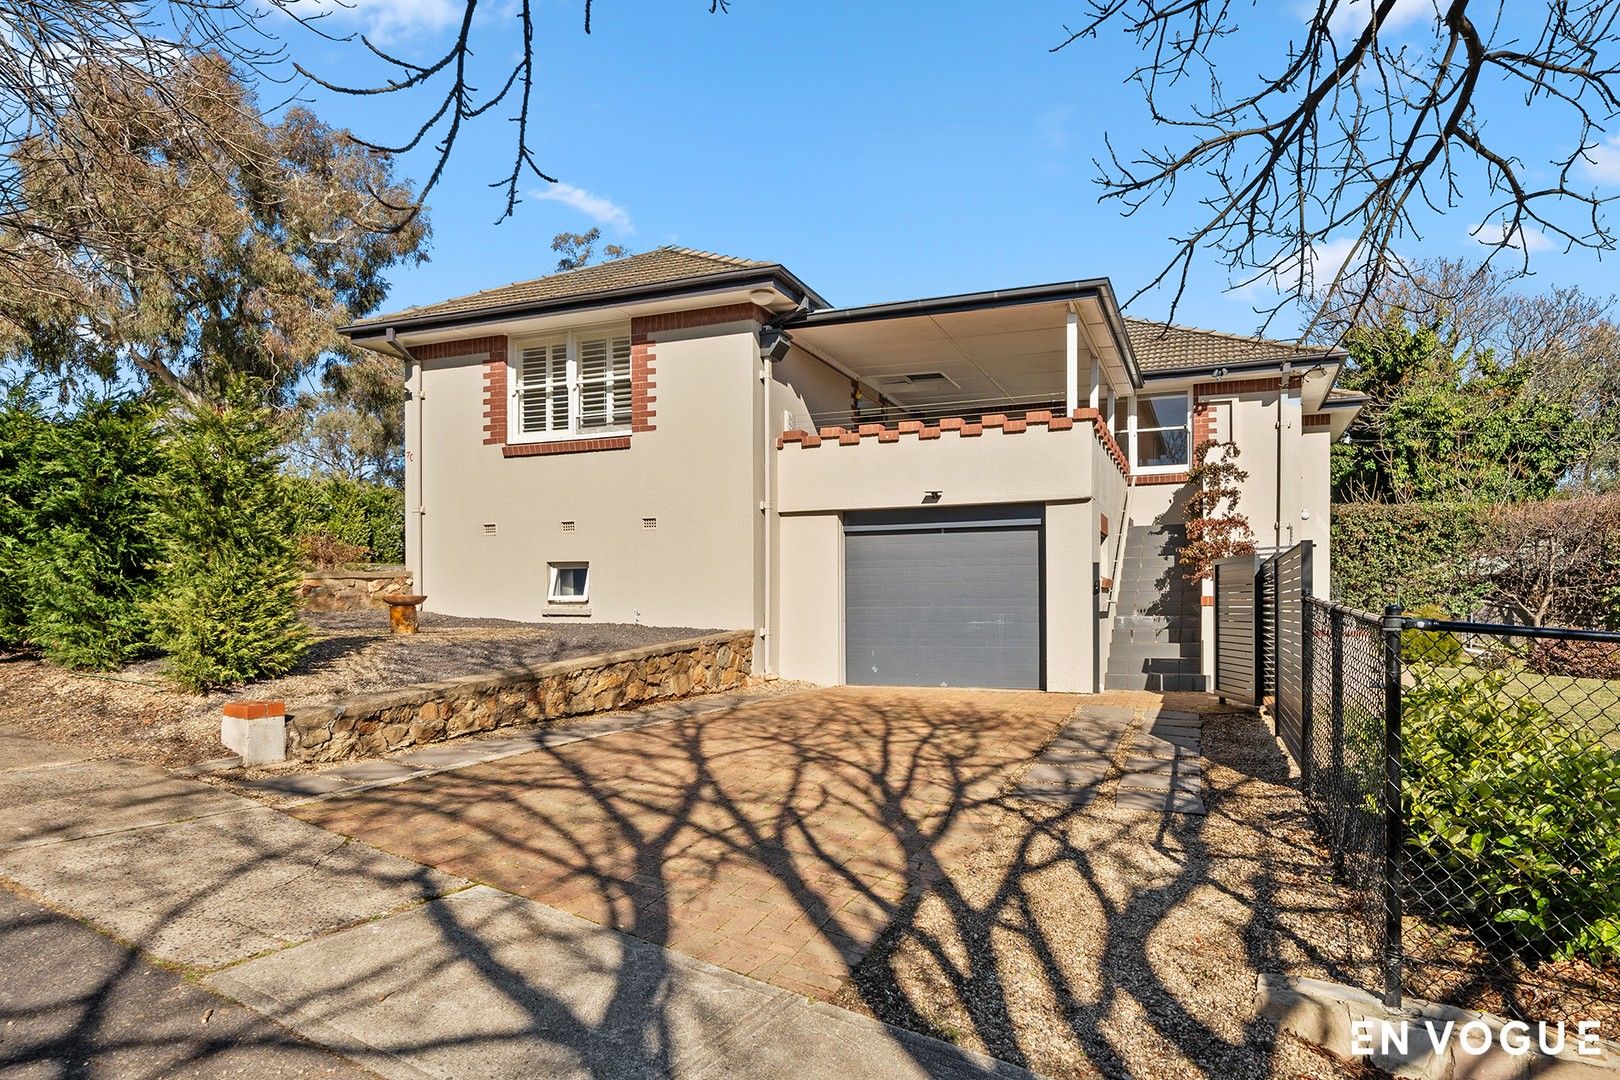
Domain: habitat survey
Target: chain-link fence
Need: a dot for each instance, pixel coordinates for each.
(1466, 779)
(1510, 799)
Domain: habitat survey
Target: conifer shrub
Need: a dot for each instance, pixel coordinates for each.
(225, 610)
(81, 555)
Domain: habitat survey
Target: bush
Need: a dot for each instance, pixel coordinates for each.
(1432, 646)
(226, 610)
(20, 424)
(1577, 659)
(1513, 822)
(1412, 554)
(369, 516)
(324, 551)
(84, 554)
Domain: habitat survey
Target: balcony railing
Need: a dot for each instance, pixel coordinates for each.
(971, 411)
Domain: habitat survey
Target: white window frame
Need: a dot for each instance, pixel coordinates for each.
(1159, 470)
(575, 429)
(551, 583)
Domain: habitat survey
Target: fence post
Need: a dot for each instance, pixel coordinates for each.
(1336, 736)
(1394, 821)
(1307, 669)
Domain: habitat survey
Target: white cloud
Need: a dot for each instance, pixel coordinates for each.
(1351, 17)
(1602, 162)
(1321, 264)
(389, 21)
(1521, 239)
(598, 208)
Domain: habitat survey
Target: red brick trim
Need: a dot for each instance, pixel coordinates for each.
(255, 710)
(1162, 478)
(1107, 582)
(565, 446)
(924, 431)
(1100, 427)
(1228, 387)
(495, 392)
(1206, 601)
(644, 325)
(1318, 420)
(642, 383)
(1203, 424)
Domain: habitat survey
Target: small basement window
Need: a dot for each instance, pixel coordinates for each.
(569, 583)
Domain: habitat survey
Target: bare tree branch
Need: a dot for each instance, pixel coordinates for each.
(1355, 131)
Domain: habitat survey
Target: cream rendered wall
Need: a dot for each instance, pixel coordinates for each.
(695, 474)
(1036, 465)
(1316, 498)
(1071, 619)
(810, 598)
(1052, 468)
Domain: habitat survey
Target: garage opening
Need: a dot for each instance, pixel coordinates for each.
(945, 597)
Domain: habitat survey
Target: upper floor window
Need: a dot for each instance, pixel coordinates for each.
(571, 384)
(1161, 439)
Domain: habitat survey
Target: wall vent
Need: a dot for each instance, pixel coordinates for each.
(568, 526)
(649, 523)
(489, 528)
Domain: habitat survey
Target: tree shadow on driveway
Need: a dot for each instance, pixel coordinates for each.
(863, 847)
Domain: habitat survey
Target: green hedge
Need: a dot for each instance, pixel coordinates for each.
(1417, 555)
(371, 516)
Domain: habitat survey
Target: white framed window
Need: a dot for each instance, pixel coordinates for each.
(570, 384)
(1161, 433)
(568, 583)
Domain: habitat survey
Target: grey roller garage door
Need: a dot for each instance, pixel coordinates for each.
(943, 597)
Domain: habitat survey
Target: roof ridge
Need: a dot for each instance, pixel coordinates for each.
(1256, 338)
(734, 260)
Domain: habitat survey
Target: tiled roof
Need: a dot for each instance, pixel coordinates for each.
(1162, 347)
(649, 268)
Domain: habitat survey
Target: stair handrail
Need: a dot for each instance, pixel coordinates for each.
(1119, 547)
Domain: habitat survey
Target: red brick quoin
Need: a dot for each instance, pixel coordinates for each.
(255, 710)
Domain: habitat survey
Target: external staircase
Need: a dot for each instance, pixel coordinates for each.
(1156, 616)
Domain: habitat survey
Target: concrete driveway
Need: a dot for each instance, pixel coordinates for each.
(777, 839)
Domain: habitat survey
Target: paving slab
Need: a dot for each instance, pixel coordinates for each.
(66, 801)
(1159, 802)
(490, 985)
(1096, 742)
(371, 772)
(1107, 714)
(22, 752)
(78, 1004)
(1165, 747)
(310, 783)
(1084, 759)
(444, 757)
(218, 889)
(1174, 714)
(1157, 766)
(1154, 782)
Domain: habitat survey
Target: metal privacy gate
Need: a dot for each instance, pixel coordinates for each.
(1237, 618)
(1263, 635)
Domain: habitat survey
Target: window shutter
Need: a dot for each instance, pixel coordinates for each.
(543, 388)
(604, 382)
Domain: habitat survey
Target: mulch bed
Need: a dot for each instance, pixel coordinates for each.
(134, 713)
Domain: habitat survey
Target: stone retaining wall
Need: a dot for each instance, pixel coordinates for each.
(352, 590)
(375, 724)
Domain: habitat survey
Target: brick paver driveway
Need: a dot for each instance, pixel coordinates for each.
(777, 839)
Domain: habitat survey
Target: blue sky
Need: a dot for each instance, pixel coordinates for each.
(880, 150)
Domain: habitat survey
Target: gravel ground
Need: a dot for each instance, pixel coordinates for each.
(135, 714)
(1104, 942)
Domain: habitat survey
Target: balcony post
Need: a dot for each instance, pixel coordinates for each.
(1096, 383)
(1071, 362)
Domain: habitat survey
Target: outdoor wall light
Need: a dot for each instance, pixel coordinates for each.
(932, 496)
